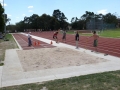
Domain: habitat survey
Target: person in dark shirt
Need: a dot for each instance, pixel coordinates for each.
(77, 39)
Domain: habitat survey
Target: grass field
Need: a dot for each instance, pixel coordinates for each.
(115, 33)
(6, 45)
(101, 81)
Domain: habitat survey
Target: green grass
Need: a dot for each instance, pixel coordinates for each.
(86, 34)
(1, 64)
(115, 33)
(100, 81)
(70, 32)
(10, 37)
(4, 45)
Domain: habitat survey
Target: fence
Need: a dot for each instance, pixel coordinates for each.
(93, 24)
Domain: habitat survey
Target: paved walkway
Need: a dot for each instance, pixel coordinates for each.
(12, 72)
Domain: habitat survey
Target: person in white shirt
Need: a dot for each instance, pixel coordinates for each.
(64, 36)
(29, 40)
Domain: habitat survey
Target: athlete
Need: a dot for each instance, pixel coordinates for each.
(55, 36)
(95, 40)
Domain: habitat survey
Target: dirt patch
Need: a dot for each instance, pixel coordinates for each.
(47, 58)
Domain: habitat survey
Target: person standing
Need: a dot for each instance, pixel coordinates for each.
(95, 40)
(55, 36)
(77, 39)
(29, 40)
(64, 36)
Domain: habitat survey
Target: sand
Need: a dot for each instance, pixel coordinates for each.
(48, 58)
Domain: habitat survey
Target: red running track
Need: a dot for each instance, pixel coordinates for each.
(109, 46)
(23, 42)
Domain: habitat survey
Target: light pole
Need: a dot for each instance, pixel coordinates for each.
(4, 18)
(94, 23)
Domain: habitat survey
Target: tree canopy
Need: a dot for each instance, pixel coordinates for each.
(1, 19)
(59, 20)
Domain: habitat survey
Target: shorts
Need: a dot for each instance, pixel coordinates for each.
(64, 36)
(54, 37)
(95, 43)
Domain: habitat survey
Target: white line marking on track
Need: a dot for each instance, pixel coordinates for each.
(25, 41)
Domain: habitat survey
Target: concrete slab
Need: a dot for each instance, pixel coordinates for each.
(27, 81)
(12, 67)
(1, 68)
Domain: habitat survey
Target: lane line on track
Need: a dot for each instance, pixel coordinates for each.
(25, 41)
(19, 46)
(43, 45)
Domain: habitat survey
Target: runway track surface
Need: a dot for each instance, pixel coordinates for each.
(23, 41)
(109, 46)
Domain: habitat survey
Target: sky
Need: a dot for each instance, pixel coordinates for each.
(16, 10)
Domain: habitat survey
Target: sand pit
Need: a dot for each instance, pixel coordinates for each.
(47, 58)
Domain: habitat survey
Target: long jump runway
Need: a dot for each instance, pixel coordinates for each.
(23, 42)
(109, 46)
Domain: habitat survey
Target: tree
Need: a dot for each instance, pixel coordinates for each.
(34, 22)
(1, 19)
(57, 14)
(7, 20)
(11, 28)
(20, 26)
(77, 23)
(54, 24)
(87, 16)
(45, 21)
(74, 19)
(61, 18)
(110, 18)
